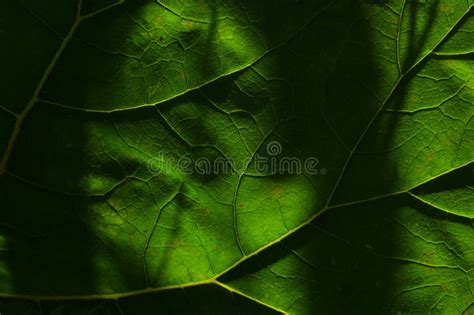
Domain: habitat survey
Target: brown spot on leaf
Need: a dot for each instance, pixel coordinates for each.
(278, 191)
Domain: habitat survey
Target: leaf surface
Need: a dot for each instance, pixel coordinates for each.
(311, 157)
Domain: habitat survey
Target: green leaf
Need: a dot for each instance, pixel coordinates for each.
(296, 156)
(207, 299)
(451, 192)
(393, 256)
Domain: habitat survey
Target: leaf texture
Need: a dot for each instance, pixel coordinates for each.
(114, 115)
